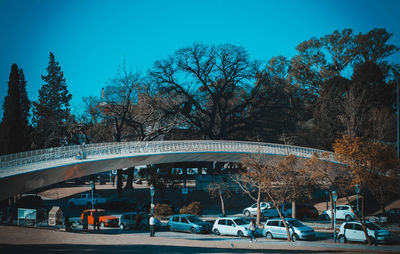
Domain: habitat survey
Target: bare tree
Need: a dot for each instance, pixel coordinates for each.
(220, 189)
(254, 179)
(216, 86)
(281, 180)
(129, 109)
(354, 110)
(369, 164)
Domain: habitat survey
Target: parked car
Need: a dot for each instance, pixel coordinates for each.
(252, 210)
(343, 212)
(236, 226)
(275, 228)
(105, 218)
(128, 220)
(378, 218)
(188, 223)
(303, 211)
(267, 210)
(85, 200)
(352, 231)
(393, 214)
(30, 201)
(121, 204)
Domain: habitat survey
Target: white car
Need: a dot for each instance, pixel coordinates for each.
(85, 200)
(267, 210)
(252, 210)
(236, 226)
(352, 231)
(343, 212)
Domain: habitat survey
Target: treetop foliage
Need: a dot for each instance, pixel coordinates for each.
(15, 129)
(51, 113)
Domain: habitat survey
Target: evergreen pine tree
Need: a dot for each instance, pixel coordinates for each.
(15, 130)
(51, 113)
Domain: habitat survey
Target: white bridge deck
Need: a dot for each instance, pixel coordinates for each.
(30, 170)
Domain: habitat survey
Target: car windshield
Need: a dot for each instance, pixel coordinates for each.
(103, 213)
(296, 223)
(373, 226)
(241, 221)
(193, 219)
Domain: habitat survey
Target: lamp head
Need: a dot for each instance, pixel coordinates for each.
(358, 188)
(334, 195)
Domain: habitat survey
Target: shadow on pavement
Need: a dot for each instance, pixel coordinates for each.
(74, 248)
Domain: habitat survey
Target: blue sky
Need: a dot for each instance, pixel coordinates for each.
(91, 39)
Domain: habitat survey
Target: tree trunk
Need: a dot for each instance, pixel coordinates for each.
(222, 201)
(330, 197)
(284, 222)
(129, 181)
(382, 207)
(361, 219)
(294, 209)
(258, 207)
(362, 208)
(119, 183)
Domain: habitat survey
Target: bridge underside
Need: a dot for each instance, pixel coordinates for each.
(35, 179)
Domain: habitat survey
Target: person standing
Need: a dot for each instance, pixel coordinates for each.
(138, 218)
(152, 223)
(252, 231)
(67, 224)
(96, 223)
(85, 222)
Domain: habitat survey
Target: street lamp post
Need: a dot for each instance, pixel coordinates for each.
(397, 127)
(327, 201)
(357, 187)
(92, 187)
(334, 198)
(152, 196)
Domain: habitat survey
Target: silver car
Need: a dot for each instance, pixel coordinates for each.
(188, 223)
(276, 229)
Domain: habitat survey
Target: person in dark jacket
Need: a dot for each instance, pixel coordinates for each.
(96, 223)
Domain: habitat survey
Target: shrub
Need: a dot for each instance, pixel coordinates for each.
(192, 208)
(162, 210)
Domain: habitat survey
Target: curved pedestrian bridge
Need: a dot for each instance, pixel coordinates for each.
(23, 172)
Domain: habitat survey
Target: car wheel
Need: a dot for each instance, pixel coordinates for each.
(102, 224)
(247, 213)
(216, 232)
(269, 235)
(122, 226)
(295, 237)
(171, 228)
(326, 217)
(240, 233)
(342, 239)
(193, 231)
(348, 218)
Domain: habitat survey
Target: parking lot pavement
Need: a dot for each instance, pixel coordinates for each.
(30, 240)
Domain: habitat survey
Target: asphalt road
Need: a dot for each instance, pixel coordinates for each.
(111, 240)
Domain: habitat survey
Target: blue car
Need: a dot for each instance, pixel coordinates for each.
(188, 223)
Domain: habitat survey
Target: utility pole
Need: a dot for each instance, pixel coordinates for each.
(398, 130)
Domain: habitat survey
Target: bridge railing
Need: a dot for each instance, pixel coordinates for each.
(116, 149)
